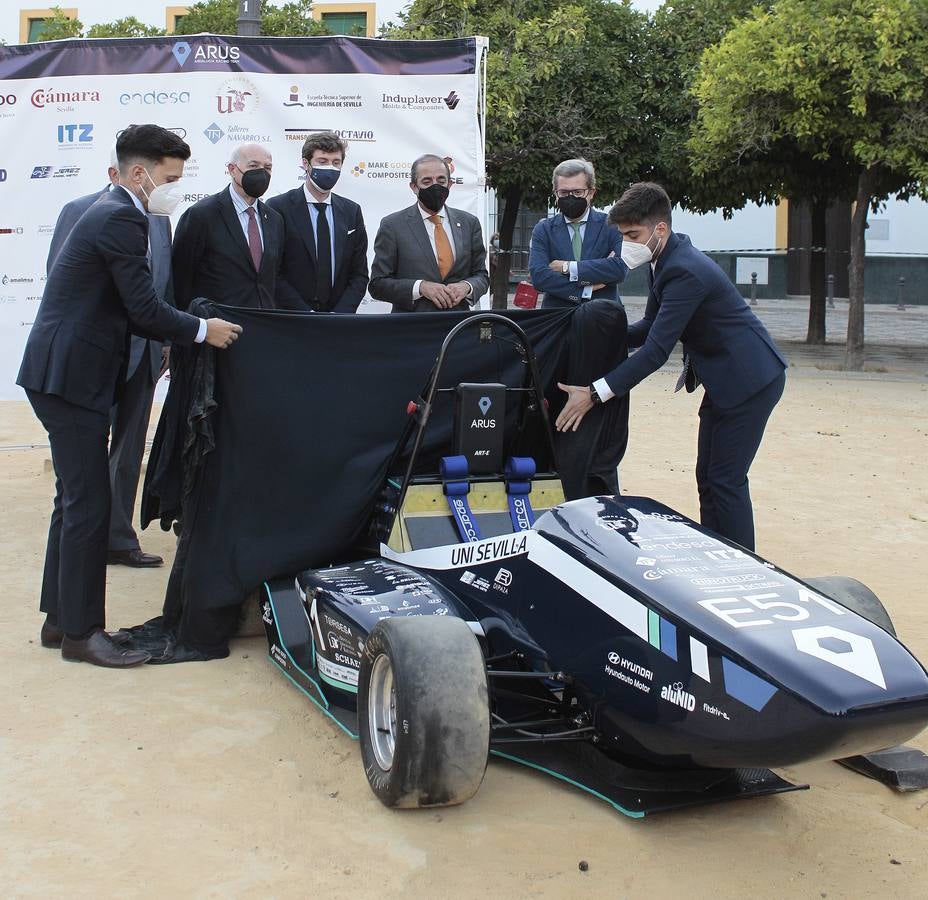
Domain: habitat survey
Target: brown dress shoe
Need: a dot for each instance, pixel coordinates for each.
(100, 650)
(51, 636)
(136, 558)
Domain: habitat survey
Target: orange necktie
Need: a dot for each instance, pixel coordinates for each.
(442, 247)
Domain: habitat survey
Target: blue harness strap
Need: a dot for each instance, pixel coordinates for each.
(456, 488)
(519, 473)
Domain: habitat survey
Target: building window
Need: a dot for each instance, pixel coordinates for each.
(355, 19)
(32, 22)
(173, 15)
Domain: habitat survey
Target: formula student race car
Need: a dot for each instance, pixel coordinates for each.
(610, 641)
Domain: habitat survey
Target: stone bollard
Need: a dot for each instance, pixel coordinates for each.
(901, 303)
(830, 281)
(753, 288)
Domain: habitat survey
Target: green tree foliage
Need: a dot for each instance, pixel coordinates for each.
(562, 81)
(127, 27)
(838, 83)
(221, 17)
(58, 26)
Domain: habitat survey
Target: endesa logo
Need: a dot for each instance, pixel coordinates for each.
(42, 97)
(204, 53)
(155, 98)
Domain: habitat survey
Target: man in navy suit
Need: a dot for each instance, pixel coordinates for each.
(725, 347)
(228, 246)
(148, 360)
(325, 242)
(99, 288)
(575, 258)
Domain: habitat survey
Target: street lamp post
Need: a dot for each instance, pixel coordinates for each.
(249, 17)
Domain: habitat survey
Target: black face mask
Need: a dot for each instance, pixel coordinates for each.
(433, 197)
(572, 207)
(255, 182)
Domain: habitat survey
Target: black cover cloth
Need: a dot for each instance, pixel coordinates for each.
(276, 449)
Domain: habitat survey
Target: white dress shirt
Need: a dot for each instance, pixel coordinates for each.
(201, 331)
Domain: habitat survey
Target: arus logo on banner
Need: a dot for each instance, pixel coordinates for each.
(204, 53)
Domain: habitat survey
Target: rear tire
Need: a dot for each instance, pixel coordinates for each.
(423, 712)
(856, 596)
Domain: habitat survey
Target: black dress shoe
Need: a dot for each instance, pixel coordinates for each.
(51, 636)
(136, 558)
(100, 650)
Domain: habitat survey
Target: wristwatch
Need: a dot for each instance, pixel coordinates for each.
(594, 395)
(565, 269)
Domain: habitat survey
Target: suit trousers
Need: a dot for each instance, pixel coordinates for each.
(728, 442)
(74, 579)
(129, 419)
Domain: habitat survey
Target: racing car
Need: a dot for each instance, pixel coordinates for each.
(610, 641)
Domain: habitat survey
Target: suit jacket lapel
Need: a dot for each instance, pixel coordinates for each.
(417, 227)
(269, 232)
(457, 229)
(339, 235)
(594, 226)
(304, 224)
(232, 223)
(562, 239)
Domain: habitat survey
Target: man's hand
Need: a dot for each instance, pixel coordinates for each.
(557, 265)
(578, 405)
(441, 295)
(165, 360)
(460, 289)
(221, 334)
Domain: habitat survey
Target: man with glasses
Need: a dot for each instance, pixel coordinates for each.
(576, 261)
(228, 247)
(429, 257)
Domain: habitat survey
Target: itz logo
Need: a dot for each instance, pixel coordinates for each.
(452, 100)
(75, 134)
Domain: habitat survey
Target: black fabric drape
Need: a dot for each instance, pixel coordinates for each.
(276, 463)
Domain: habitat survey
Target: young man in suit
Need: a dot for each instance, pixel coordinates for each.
(429, 257)
(325, 242)
(99, 288)
(148, 360)
(228, 247)
(575, 259)
(725, 347)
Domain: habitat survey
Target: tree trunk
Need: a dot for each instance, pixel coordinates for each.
(816, 331)
(854, 350)
(507, 226)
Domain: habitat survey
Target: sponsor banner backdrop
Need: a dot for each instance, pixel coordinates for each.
(63, 103)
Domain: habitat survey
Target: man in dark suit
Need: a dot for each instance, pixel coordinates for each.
(325, 242)
(74, 364)
(575, 259)
(430, 256)
(575, 256)
(148, 360)
(725, 347)
(228, 247)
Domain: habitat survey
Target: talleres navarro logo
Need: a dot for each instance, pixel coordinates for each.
(204, 53)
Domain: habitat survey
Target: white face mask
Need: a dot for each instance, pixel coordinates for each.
(634, 255)
(164, 198)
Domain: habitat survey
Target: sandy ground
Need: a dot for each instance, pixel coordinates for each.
(221, 780)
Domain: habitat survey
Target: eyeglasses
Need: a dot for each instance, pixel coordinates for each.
(576, 192)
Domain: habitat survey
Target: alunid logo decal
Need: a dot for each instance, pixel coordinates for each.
(674, 693)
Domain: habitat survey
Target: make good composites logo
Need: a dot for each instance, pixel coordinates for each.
(154, 98)
(202, 53)
(419, 102)
(237, 96)
(62, 101)
(322, 100)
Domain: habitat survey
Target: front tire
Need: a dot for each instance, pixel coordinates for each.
(423, 712)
